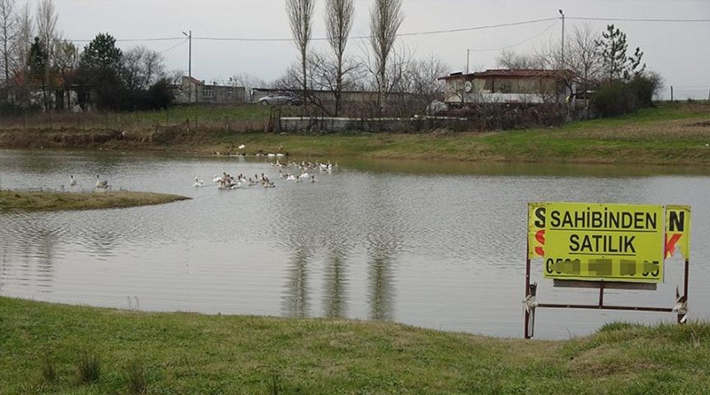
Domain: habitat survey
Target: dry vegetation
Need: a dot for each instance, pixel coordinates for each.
(49, 201)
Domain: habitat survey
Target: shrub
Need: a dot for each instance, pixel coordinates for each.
(644, 87)
(614, 99)
(89, 367)
(623, 97)
(137, 381)
(49, 371)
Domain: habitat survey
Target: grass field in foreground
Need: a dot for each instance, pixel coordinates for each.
(59, 349)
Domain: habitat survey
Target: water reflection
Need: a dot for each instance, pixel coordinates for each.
(386, 223)
(380, 278)
(296, 301)
(336, 281)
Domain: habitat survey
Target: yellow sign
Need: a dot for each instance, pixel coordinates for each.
(591, 241)
(677, 231)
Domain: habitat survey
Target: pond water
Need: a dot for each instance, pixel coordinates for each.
(434, 245)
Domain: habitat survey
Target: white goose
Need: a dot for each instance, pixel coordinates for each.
(199, 183)
(102, 184)
(72, 182)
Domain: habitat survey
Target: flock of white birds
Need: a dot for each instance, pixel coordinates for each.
(291, 171)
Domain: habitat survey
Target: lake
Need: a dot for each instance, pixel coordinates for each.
(429, 244)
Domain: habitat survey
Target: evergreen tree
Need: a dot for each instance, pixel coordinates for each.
(98, 78)
(616, 64)
(37, 61)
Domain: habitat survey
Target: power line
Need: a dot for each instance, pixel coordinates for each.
(520, 43)
(581, 18)
(422, 33)
(135, 39)
(466, 29)
(174, 46)
(262, 39)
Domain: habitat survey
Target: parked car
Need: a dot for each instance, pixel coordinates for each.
(280, 99)
(435, 107)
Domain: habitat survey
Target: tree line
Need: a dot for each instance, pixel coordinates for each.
(608, 77)
(41, 70)
(399, 83)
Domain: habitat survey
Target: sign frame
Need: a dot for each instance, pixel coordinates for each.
(675, 229)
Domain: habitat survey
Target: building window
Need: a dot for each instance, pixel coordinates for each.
(208, 92)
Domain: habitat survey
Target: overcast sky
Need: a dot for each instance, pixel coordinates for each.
(679, 51)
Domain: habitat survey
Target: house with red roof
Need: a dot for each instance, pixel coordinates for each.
(532, 86)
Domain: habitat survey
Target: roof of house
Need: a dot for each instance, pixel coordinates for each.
(192, 79)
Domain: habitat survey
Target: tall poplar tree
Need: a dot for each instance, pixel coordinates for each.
(385, 19)
(46, 31)
(8, 32)
(339, 16)
(300, 16)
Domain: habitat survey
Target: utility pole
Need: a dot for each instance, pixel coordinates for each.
(468, 52)
(563, 39)
(189, 63)
(562, 60)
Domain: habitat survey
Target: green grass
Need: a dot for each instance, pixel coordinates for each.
(51, 200)
(668, 134)
(182, 353)
(88, 367)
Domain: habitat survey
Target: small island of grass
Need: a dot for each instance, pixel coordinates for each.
(55, 201)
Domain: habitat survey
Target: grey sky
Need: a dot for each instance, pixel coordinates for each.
(679, 51)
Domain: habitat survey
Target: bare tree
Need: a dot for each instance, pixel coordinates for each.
(584, 59)
(514, 60)
(142, 68)
(422, 81)
(46, 31)
(300, 16)
(21, 46)
(66, 60)
(322, 80)
(339, 22)
(249, 82)
(385, 19)
(334, 77)
(8, 31)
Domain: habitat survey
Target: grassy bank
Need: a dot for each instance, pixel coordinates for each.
(676, 134)
(50, 201)
(60, 349)
(669, 134)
